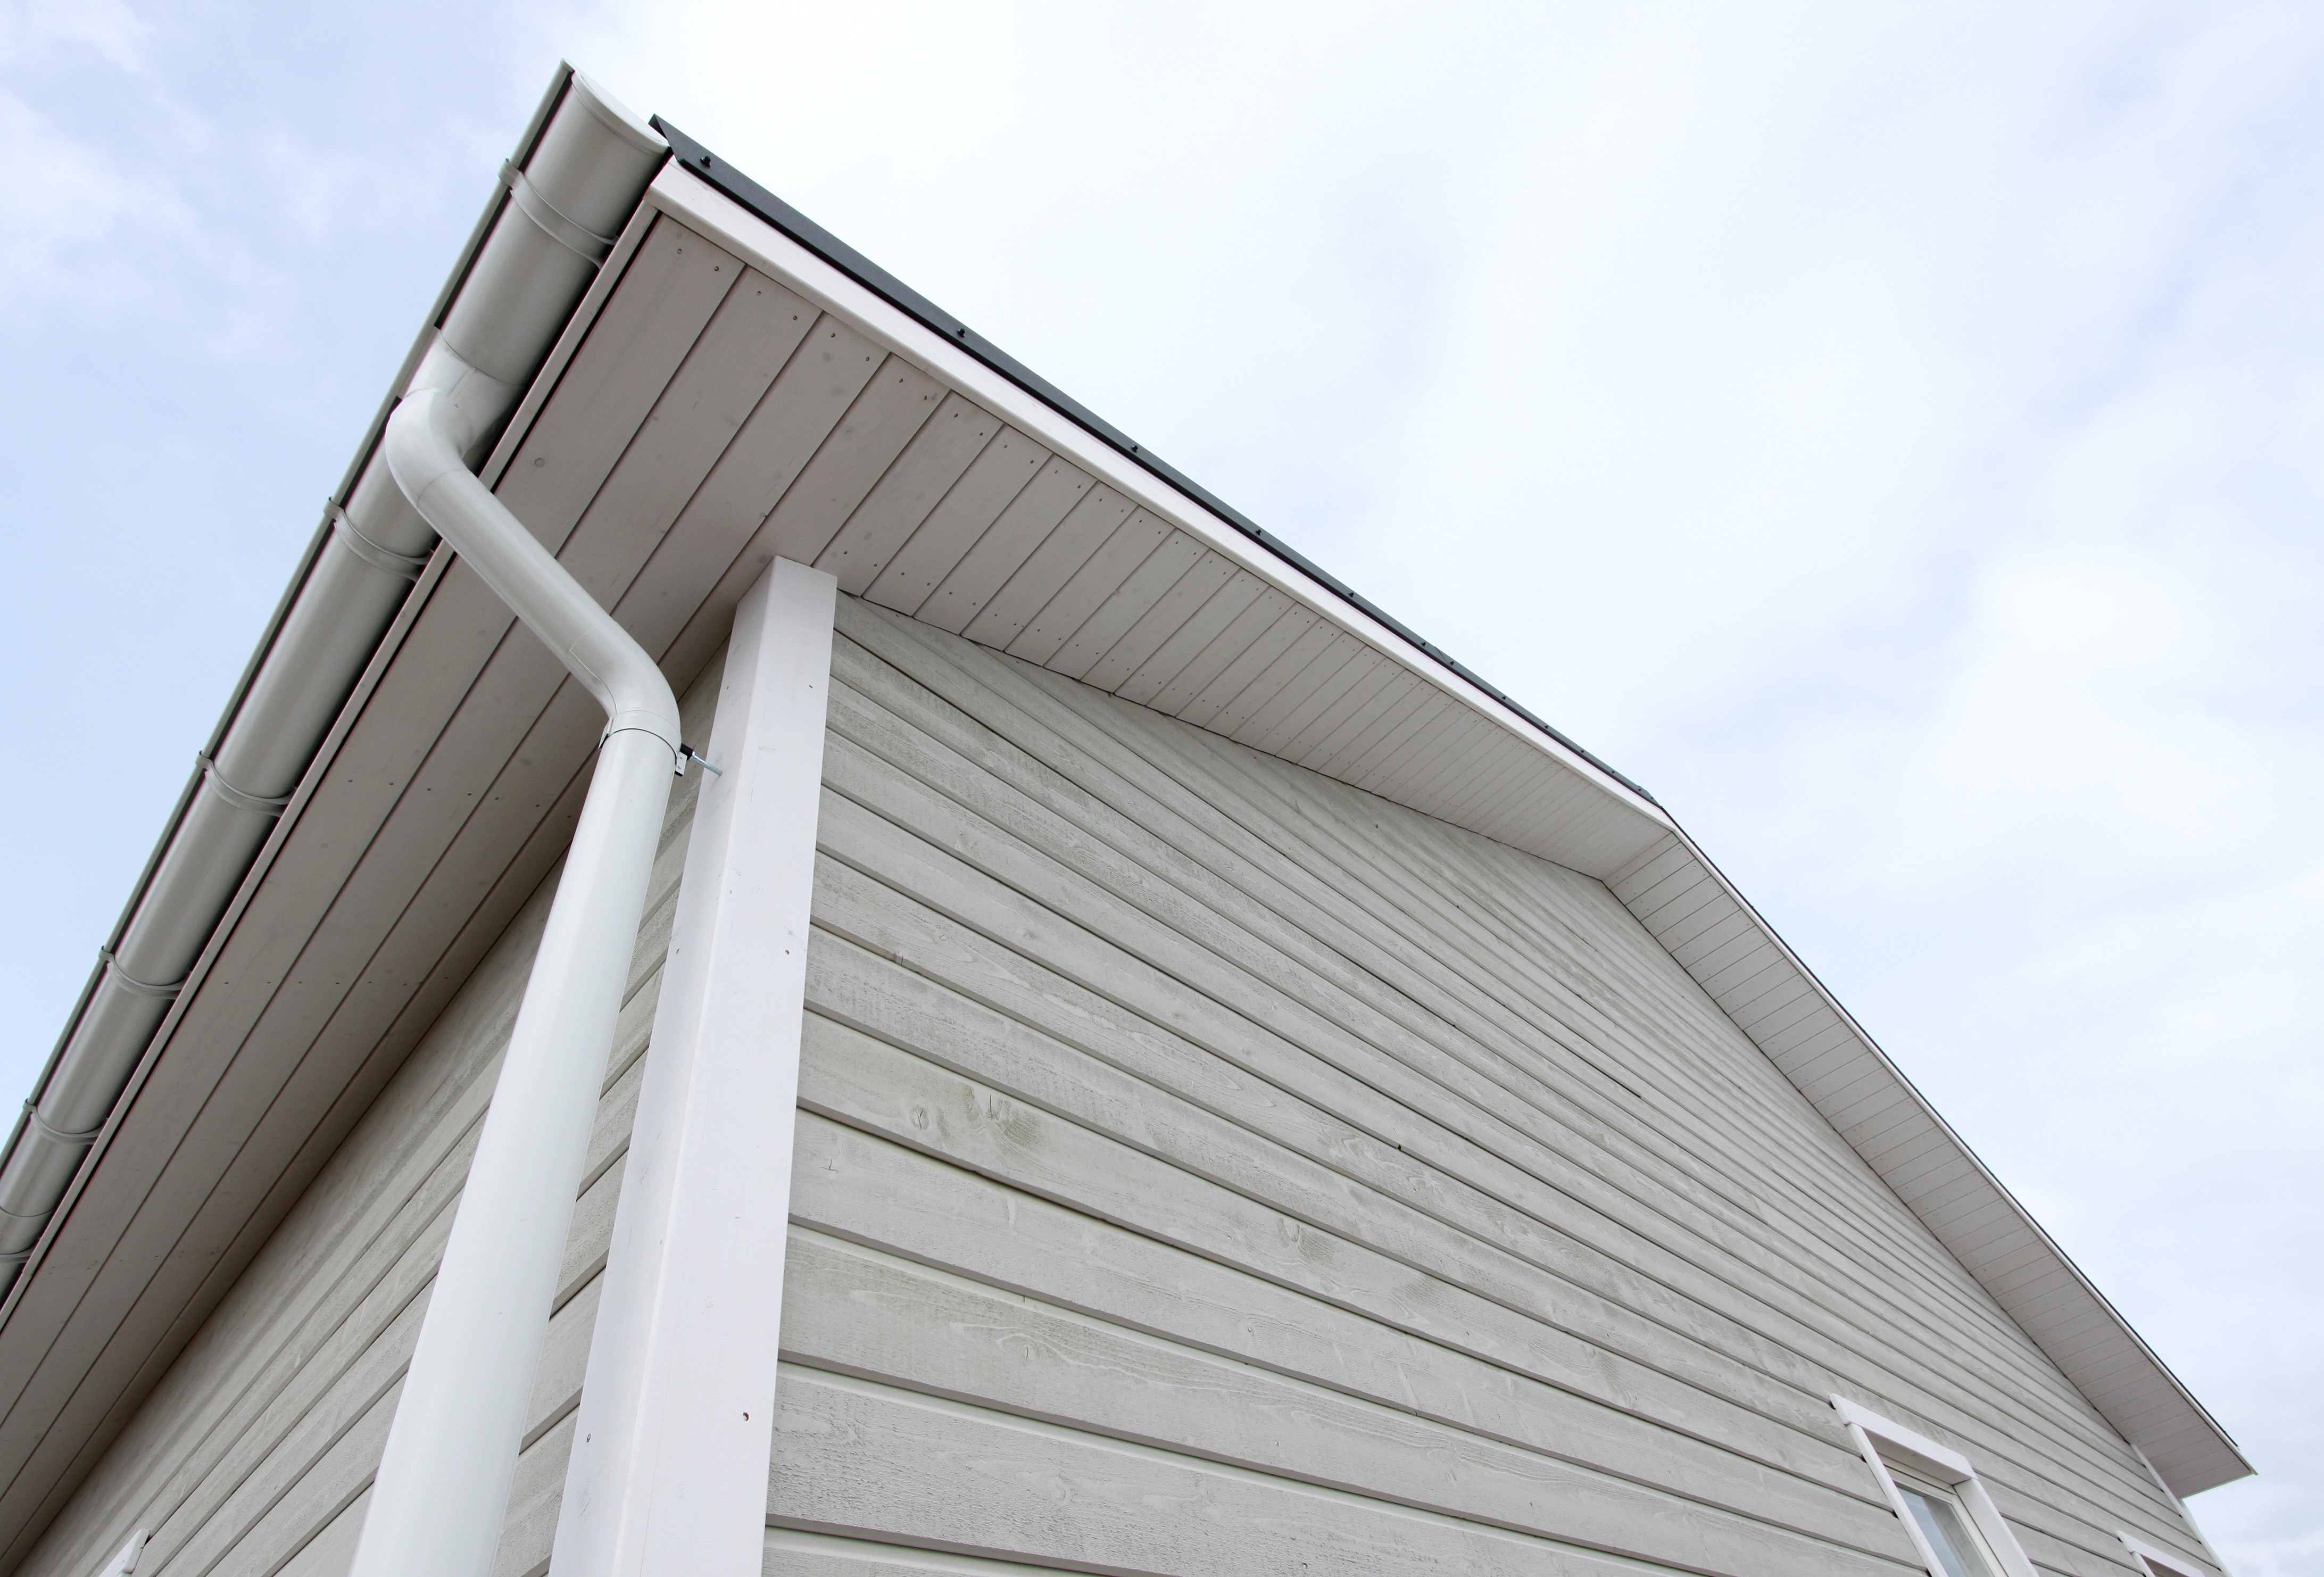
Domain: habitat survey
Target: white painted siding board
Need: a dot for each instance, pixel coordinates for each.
(1095, 517)
(1305, 663)
(1299, 695)
(1354, 687)
(1666, 854)
(1152, 584)
(1035, 513)
(1197, 673)
(1249, 666)
(1418, 1354)
(1391, 702)
(870, 1085)
(895, 404)
(331, 1552)
(856, 1453)
(1432, 767)
(1177, 628)
(913, 1332)
(1420, 735)
(991, 484)
(1169, 614)
(907, 492)
(805, 403)
(1422, 1381)
(1416, 709)
(1200, 634)
(1143, 815)
(1117, 562)
(745, 345)
(1190, 1137)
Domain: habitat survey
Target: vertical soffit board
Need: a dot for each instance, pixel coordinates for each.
(1478, 761)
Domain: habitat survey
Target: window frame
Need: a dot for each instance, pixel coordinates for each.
(1888, 1448)
(2154, 1563)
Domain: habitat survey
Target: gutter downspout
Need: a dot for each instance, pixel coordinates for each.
(439, 1502)
(581, 176)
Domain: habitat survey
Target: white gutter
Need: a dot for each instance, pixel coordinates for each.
(581, 179)
(443, 1487)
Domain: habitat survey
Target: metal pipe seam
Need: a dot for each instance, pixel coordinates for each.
(441, 1493)
(589, 165)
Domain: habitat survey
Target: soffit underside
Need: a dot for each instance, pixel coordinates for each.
(701, 417)
(880, 453)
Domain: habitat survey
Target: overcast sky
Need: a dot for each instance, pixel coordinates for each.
(1888, 431)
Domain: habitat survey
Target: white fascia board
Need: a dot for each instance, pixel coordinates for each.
(694, 202)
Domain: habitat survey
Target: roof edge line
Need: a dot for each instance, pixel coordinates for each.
(2001, 1190)
(731, 182)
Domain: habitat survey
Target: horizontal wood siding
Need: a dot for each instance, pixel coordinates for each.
(1206, 1166)
(255, 1453)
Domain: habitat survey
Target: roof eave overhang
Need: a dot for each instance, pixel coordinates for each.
(1605, 826)
(1956, 1195)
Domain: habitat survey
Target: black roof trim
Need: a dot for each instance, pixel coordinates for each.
(699, 162)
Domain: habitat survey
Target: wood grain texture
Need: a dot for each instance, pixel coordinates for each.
(1268, 991)
(856, 1455)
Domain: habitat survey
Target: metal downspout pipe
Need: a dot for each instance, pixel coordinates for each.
(581, 180)
(438, 1504)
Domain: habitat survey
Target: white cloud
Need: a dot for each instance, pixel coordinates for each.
(1889, 431)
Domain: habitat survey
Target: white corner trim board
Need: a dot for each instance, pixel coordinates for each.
(668, 1472)
(1883, 1443)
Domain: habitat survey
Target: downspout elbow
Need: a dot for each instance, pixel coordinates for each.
(426, 444)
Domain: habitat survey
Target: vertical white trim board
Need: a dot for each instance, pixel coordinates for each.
(668, 1473)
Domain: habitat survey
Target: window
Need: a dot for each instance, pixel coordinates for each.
(1938, 1512)
(1934, 1491)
